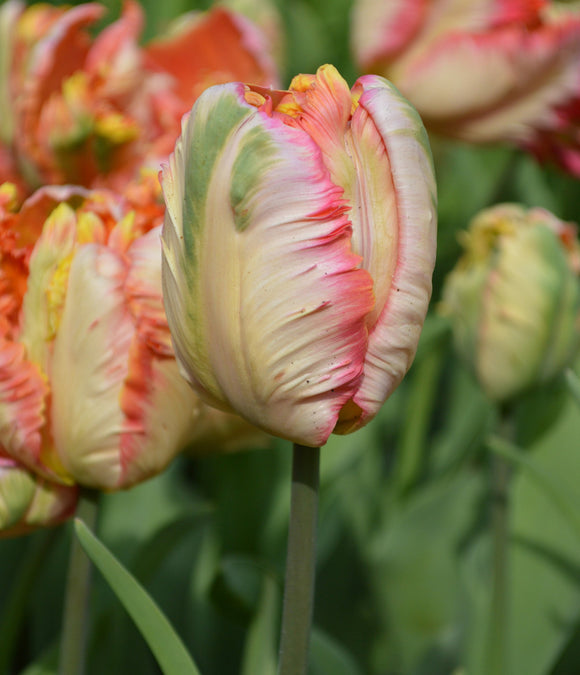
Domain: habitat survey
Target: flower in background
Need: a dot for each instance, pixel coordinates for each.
(299, 243)
(482, 71)
(90, 391)
(92, 111)
(514, 298)
(28, 501)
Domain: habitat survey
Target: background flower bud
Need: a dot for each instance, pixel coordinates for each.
(514, 298)
(299, 243)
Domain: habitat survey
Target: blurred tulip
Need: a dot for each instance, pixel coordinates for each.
(299, 243)
(28, 501)
(91, 111)
(514, 298)
(483, 70)
(89, 388)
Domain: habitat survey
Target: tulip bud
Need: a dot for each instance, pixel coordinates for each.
(299, 243)
(514, 298)
(28, 501)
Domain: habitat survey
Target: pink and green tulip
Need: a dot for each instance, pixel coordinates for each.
(482, 71)
(298, 249)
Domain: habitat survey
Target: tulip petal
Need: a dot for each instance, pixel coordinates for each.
(380, 30)
(143, 290)
(9, 15)
(261, 287)
(394, 337)
(499, 85)
(22, 404)
(89, 367)
(160, 407)
(401, 29)
(216, 47)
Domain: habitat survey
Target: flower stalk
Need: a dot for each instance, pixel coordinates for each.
(500, 605)
(73, 644)
(300, 562)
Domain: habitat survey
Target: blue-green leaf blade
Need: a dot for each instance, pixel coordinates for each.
(167, 647)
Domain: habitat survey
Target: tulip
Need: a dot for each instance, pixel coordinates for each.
(90, 391)
(298, 248)
(482, 71)
(514, 299)
(93, 111)
(28, 501)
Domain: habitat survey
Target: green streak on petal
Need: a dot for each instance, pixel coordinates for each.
(256, 156)
(210, 132)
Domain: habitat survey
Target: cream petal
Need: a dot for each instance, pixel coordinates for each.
(394, 337)
(89, 367)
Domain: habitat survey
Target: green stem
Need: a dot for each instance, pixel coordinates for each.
(499, 614)
(411, 454)
(300, 562)
(559, 498)
(78, 585)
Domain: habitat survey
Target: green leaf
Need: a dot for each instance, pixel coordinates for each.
(573, 383)
(260, 649)
(236, 587)
(46, 664)
(545, 596)
(165, 644)
(327, 656)
(13, 613)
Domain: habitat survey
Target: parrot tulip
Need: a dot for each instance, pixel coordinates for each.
(92, 111)
(482, 71)
(90, 392)
(298, 249)
(514, 298)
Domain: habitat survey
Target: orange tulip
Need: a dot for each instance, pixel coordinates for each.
(91, 111)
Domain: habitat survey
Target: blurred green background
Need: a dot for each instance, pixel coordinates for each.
(404, 560)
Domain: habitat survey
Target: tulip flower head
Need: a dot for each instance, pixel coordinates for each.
(90, 392)
(483, 71)
(92, 111)
(514, 299)
(298, 248)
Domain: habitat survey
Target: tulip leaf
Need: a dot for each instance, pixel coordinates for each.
(45, 664)
(171, 654)
(260, 649)
(328, 656)
(573, 382)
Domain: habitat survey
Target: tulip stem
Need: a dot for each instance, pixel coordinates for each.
(300, 562)
(499, 611)
(78, 586)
